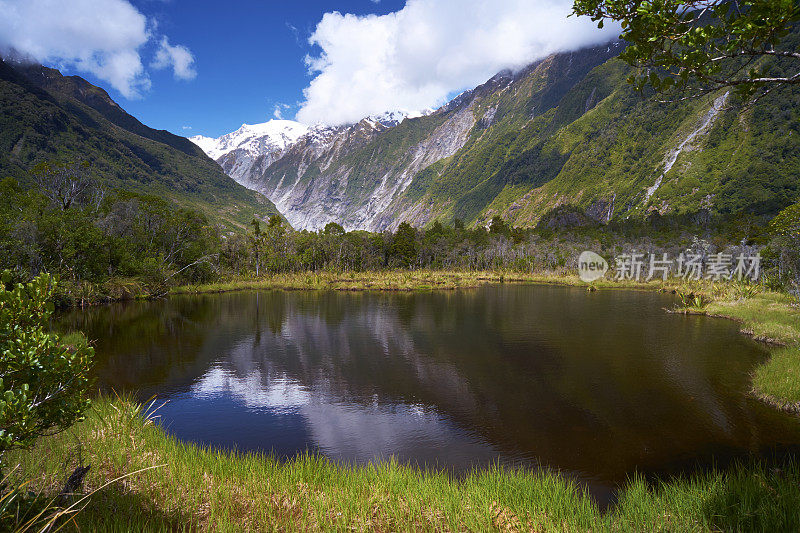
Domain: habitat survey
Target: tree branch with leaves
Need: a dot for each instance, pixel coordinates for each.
(43, 382)
(701, 46)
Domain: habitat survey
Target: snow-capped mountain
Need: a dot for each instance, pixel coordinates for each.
(279, 135)
(286, 173)
(255, 138)
(251, 144)
(393, 118)
(246, 153)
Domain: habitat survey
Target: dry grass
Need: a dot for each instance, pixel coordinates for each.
(396, 280)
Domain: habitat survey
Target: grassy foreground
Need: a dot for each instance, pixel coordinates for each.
(200, 489)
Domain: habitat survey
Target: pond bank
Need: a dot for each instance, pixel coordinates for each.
(199, 489)
(775, 319)
(393, 280)
(192, 488)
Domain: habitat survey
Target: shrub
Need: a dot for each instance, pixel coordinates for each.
(43, 382)
(785, 246)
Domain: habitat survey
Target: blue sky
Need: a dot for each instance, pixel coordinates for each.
(206, 67)
(248, 56)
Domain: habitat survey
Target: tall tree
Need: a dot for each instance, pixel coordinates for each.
(403, 247)
(256, 242)
(498, 226)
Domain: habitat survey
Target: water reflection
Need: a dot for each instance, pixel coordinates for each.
(597, 384)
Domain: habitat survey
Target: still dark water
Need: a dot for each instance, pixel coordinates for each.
(598, 385)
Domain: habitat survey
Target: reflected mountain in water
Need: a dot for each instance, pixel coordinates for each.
(596, 384)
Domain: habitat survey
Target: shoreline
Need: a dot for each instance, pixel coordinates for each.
(171, 485)
(768, 317)
(400, 281)
(189, 486)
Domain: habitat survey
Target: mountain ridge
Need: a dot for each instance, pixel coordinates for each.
(263, 143)
(47, 117)
(415, 143)
(567, 130)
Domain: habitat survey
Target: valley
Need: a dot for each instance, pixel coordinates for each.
(464, 266)
(565, 131)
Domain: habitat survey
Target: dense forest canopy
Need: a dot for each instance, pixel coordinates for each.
(117, 244)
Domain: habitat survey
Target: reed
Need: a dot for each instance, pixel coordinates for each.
(396, 280)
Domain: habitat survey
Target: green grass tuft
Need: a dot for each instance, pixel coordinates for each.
(778, 380)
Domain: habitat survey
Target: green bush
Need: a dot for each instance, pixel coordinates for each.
(43, 382)
(785, 247)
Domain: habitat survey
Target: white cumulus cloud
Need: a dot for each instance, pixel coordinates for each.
(102, 37)
(412, 59)
(178, 57)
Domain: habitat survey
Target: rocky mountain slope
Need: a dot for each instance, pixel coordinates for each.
(567, 130)
(250, 145)
(246, 153)
(47, 117)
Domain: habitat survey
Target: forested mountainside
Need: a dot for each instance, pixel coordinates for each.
(567, 130)
(49, 118)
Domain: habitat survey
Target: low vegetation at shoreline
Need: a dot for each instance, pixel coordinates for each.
(392, 280)
(778, 380)
(191, 488)
(770, 317)
(114, 245)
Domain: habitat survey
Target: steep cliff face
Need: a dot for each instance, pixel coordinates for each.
(370, 175)
(353, 175)
(567, 130)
